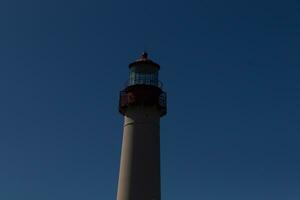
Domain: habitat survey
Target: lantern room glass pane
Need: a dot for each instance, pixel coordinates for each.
(143, 78)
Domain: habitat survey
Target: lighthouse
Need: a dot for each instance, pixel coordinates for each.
(142, 103)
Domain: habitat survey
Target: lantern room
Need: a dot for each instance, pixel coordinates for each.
(143, 87)
(144, 72)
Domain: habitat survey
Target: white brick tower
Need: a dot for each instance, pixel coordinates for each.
(142, 102)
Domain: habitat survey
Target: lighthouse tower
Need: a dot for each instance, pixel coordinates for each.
(142, 102)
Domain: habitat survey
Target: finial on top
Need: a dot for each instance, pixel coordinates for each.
(145, 55)
(144, 60)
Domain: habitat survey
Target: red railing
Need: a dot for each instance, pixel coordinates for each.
(127, 99)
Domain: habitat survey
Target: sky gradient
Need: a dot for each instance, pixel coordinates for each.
(231, 70)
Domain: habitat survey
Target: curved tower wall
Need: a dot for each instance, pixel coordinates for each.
(140, 161)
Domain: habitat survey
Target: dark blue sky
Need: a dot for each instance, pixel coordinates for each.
(231, 70)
